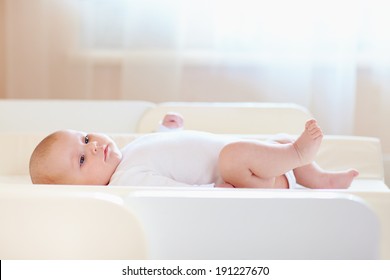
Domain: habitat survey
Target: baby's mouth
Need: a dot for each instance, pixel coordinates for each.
(105, 152)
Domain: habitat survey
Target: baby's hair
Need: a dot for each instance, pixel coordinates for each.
(38, 158)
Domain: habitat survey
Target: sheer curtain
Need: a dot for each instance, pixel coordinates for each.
(330, 56)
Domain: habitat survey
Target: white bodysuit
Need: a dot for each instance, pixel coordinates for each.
(177, 158)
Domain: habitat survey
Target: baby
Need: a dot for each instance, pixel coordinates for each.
(184, 158)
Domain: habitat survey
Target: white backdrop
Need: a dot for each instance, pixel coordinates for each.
(328, 55)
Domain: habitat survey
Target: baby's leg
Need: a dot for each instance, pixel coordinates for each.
(313, 176)
(308, 143)
(258, 164)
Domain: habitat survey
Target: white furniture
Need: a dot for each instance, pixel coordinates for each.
(20, 115)
(78, 222)
(188, 223)
(39, 223)
(231, 118)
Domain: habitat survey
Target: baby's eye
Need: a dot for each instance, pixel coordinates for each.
(86, 139)
(82, 159)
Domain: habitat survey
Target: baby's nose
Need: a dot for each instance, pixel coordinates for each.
(94, 146)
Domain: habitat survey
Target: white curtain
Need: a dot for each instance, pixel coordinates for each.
(331, 56)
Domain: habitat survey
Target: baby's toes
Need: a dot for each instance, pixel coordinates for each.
(310, 124)
(315, 133)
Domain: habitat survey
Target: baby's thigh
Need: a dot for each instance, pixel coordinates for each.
(231, 165)
(240, 176)
(235, 169)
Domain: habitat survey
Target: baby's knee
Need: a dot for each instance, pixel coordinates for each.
(282, 138)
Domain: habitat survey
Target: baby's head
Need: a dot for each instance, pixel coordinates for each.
(75, 158)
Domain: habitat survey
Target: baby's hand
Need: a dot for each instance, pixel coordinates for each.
(173, 120)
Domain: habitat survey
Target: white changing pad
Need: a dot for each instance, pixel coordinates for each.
(336, 153)
(371, 185)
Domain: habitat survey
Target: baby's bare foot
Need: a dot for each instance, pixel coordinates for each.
(339, 180)
(308, 143)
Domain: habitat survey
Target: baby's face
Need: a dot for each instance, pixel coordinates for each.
(85, 159)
